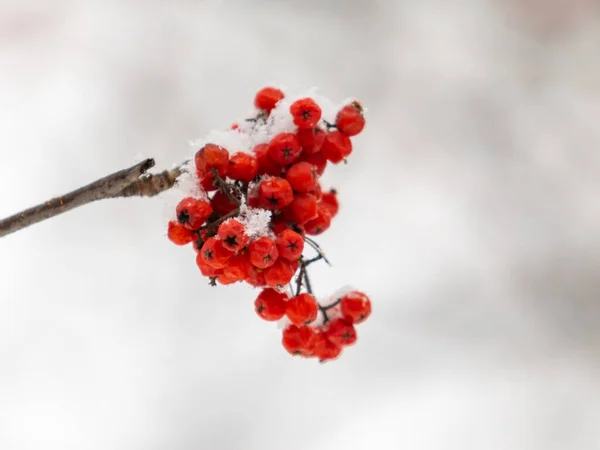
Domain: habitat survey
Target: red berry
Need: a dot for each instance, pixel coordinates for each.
(302, 309)
(311, 139)
(265, 164)
(320, 223)
(303, 208)
(238, 267)
(349, 119)
(243, 167)
(206, 270)
(256, 278)
(209, 157)
(233, 234)
(306, 113)
(275, 193)
(299, 340)
(221, 204)
(267, 98)
(263, 252)
(324, 349)
(317, 192)
(180, 235)
(336, 147)
(302, 176)
(215, 254)
(284, 148)
(316, 159)
(192, 213)
(329, 202)
(279, 274)
(225, 279)
(289, 245)
(355, 307)
(270, 304)
(341, 332)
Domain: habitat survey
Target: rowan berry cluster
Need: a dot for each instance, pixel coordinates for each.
(256, 206)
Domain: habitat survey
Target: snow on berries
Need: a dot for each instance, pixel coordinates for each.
(252, 198)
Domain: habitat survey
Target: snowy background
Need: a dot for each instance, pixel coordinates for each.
(469, 212)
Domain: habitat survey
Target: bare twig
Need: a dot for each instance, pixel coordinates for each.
(130, 182)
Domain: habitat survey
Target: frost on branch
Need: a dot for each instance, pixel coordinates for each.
(249, 201)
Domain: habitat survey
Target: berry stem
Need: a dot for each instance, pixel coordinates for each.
(216, 223)
(317, 248)
(329, 126)
(225, 188)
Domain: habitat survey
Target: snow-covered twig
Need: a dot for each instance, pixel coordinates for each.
(130, 182)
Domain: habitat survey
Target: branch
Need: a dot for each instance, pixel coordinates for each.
(124, 183)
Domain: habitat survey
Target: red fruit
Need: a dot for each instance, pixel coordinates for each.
(270, 304)
(243, 167)
(320, 223)
(317, 192)
(316, 159)
(341, 332)
(262, 252)
(299, 340)
(302, 176)
(279, 274)
(311, 139)
(225, 279)
(235, 126)
(289, 245)
(256, 278)
(275, 193)
(215, 254)
(303, 208)
(180, 235)
(355, 307)
(336, 147)
(295, 265)
(284, 148)
(221, 204)
(267, 98)
(206, 270)
(265, 164)
(329, 202)
(233, 234)
(324, 349)
(306, 113)
(209, 157)
(238, 267)
(192, 213)
(349, 119)
(302, 309)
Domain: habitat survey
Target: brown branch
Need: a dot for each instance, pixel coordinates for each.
(130, 182)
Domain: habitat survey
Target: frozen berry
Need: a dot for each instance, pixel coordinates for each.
(279, 274)
(243, 167)
(192, 213)
(233, 234)
(306, 112)
(284, 148)
(336, 147)
(311, 139)
(209, 157)
(265, 164)
(275, 193)
(215, 254)
(350, 120)
(180, 235)
(262, 252)
(302, 309)
(238, 267)
(302, 176)
(303, 208)
(270, 304)
(205, 269)
(289, 245)
(298, 340)
(355, 307)
(329, 202)
(324, 349)
(316, 159)
(267, 98)
(256, 278)
(320, 223)
(341, 332)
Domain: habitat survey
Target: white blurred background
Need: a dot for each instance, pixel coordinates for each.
(470, 213)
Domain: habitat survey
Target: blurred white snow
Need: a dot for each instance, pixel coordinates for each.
(469, 213)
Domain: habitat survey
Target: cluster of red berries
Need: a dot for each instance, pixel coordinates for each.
(279, 178)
